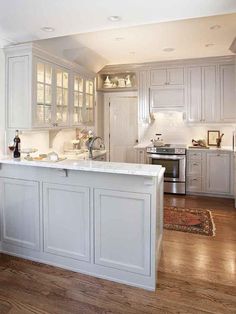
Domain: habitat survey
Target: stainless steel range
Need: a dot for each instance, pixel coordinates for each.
(173, 158)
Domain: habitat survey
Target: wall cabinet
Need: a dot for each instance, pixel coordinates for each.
(169, 76)
(114, 236)
(66, 220)
(202, 94)
(166, 99)
(209, 172)
(205, 88)
(19, 203)
(44, 92)
(228, 92)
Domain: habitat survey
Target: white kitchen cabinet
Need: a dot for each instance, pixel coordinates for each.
(228, 93)
(209, 172)
(66, 220)
(143, 96)
(40, 91)
(20, 209)
(166, 99)
(120, 243)
(202, 94)
(167, 76)
(218, 174)
(194, 172)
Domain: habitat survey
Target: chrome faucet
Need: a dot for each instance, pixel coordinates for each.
(90, 145)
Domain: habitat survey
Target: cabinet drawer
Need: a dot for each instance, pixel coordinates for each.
(195, 166)
(194, 184)
(194, 155)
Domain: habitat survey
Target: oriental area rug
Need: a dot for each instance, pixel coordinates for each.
(190, 220)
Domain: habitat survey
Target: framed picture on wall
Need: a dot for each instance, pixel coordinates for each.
(212, 135)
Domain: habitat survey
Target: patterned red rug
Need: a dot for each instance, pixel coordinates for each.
(192, 220)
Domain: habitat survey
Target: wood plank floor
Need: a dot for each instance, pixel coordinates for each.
(197, 274)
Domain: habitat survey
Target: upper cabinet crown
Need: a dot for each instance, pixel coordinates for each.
(46, 92)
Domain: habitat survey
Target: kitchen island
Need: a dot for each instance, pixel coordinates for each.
(98, 218)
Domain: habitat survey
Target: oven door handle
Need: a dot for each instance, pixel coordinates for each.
(170, 157)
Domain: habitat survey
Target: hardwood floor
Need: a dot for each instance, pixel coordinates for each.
(197, 274)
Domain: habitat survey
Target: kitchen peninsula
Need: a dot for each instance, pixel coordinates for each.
(98, 218)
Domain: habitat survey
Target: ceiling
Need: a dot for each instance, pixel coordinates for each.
(22, 20)
(191, 38)
(83, 33)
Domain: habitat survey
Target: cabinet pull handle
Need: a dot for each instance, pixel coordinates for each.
(194, 180)
(195, 164)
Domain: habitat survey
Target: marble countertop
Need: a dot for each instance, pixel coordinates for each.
(90, 165)
(214, 149)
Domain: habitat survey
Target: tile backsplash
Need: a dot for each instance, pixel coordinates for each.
(174, 129)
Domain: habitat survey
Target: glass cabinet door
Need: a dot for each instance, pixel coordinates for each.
(62, 101)
(43, 93)
(89, 101)
(78, 93)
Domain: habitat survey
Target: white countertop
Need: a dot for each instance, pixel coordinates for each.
(90, 165)
(214, 149)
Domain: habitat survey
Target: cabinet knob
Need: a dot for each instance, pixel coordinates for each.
(195, 164)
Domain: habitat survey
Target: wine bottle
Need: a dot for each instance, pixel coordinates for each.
(16, 152)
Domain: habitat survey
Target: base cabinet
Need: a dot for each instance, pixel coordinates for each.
(20, 211)
(210, 172)
(122, 243)
(66, 212)
(218, 173)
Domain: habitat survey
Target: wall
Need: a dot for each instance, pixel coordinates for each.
(175, 130)
(2, 101)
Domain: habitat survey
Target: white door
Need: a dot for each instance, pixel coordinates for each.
(121, 129)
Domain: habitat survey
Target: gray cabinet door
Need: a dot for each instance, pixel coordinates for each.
(20, 212)
(123, 230)
(66, 211)
(218, 173)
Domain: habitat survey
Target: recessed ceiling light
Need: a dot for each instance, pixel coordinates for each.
(48, 29)
(213, 27)
(209, 45)
(168, 49)
(114, 18)
(132, 53)
(119, 38)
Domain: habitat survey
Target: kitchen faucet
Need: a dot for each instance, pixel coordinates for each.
(90, 145)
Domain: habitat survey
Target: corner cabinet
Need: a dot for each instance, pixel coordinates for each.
(46, 92)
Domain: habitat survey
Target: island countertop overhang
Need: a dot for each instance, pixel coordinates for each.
(91, 166)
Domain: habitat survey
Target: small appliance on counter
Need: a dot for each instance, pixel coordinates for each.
(158, 140)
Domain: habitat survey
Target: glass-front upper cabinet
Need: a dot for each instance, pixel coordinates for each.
(89, 101)
(43, 115)
(78, 104)
(62, 96)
